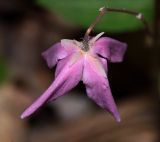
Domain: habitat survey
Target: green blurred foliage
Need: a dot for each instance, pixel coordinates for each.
(83, 12)
(3, 71)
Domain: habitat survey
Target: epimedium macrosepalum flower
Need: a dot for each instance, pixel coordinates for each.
(85, 61)
(82, 61)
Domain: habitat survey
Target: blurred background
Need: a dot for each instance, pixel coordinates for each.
(29, 27)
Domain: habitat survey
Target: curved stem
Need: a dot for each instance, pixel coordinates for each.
(98, 18)
(104, 10)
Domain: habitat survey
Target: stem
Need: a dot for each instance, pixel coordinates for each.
(104, 10)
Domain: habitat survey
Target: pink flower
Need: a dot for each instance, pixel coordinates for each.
(82, 61)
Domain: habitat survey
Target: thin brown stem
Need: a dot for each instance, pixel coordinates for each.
(91, 27)
(104, 10)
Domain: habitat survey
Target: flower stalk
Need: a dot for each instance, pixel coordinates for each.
(104, 10)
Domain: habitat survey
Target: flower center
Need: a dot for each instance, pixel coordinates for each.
(85, 46)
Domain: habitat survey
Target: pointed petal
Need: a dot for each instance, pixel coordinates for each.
(74, 71)
(67, 79)
(94, 39)
(53, 54)
(97, 87)
(109, 48)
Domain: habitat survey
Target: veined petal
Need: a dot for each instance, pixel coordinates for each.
(109, 48)
(98, 89)
(67, 79)
(53, 54)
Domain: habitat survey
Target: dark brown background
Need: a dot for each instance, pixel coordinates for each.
(26, 30)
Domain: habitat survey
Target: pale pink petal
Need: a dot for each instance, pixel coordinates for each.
(61, 64)
(70, 46)
(67, 79)
(73, 70)
(97, 87)
(53, 54)
(109, 48)
(104, 63)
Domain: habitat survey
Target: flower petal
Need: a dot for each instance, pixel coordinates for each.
(109, 48)
(74, 71)
(71, 46)
(98, 89)
(104, 63)
(53, 54)
(67, 79)
(68, 60)
(61, 64)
